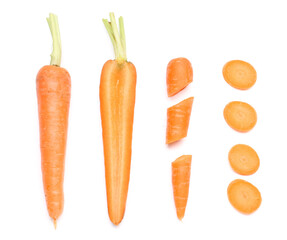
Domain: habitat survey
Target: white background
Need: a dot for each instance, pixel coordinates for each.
(208, 33)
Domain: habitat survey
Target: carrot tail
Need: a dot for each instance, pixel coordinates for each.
(180, 183)
(55, 223)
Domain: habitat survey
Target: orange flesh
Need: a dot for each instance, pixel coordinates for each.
(239, 74)
(243, 159)
(244, 196)
(240, 116)
(178, 75)
(117, 100)
(180, 183)
(178, 120)
(53, 92)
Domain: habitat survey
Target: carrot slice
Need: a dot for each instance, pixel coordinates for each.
(243, 159)
(244, 196)
(240, 116)
(178, 120)
(179, 74)
(180, 183)
(239, 74)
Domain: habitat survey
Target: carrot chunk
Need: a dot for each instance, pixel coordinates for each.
(239, 74)
(240, 116)
(178, 75)
(180, 183)
(178, 120)
(243, 159)
(244, 196)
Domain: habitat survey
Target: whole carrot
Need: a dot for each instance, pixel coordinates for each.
(53, 93)
(117, 100)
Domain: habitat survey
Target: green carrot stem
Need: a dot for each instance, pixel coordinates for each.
(123, 36)
(56, 54)
(117, 37)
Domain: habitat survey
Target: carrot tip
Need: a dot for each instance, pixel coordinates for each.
(55, 223)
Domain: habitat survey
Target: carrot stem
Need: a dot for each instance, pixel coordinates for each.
(57, 46)
(117, 37)
(122, 35)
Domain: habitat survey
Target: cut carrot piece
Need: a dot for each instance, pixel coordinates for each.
(240, 116)
(178, 120)
(180, 183)
(178, 75)
(239, 74)
(243, 159)
(244, 196)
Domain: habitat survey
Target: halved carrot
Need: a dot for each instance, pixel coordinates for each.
(244, 196)
(243, 159)
(53, 93)
(180, 183)
(117, 101)
(239, 74)
(240, 116)
(178, 120)
(179, 74)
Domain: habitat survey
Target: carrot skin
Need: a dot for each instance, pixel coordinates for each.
(117, 100)
(53, 93)
(180, 183)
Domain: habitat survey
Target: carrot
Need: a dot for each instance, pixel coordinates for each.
(243, 159)
(178, 120)
(244, 196)
(53, 93)
(180, 183)
(179, 74)
(240, 116)
(117, 100)
(239, 74)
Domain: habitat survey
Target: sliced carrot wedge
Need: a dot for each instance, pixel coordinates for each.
(243, 159)
(178, 75)
(239, 74)
(178, 120)
(244, 196)
(180, 183)
(240, 116)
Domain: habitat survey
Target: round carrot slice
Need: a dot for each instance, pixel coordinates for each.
(240, 116)
(244, 196)
(243, 159)
(239, 74)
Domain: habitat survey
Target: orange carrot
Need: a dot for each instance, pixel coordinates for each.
(244, 196)
(117, 100)
(178, 120)
(243, 159)
(180, 183)
(240, 116)
(53, 93)
(178, 75)
(239, 74)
